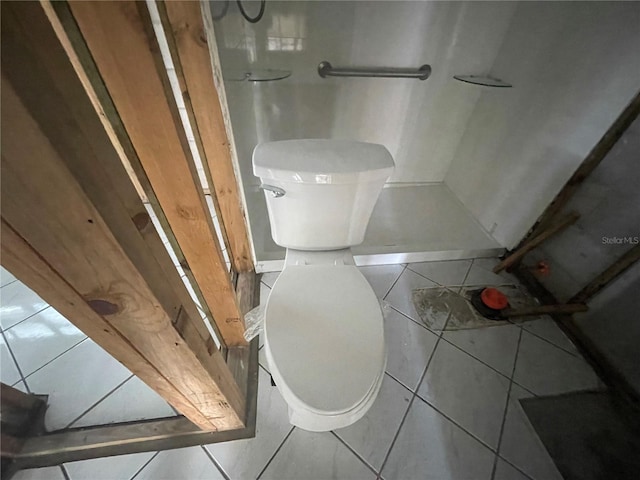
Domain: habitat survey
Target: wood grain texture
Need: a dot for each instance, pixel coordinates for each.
(120, 38)
(66, 29)
(69, 208)
(187, 40)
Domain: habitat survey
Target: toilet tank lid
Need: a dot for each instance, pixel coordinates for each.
(322, 161)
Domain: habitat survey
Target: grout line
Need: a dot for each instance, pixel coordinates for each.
(459, 425)
(99, 401)
(15, 362)
(275, 453)
(413, 397)
(25, 319)
(420, 324)
(442, 284)
(65, 474)
(551, 343)
(398, 382)
(506, 408)
(476, 358)
(394, 283)
(370, 467)
(57, 357)
(215, 462)
(525, 474)
(9, 283)
(145, 465)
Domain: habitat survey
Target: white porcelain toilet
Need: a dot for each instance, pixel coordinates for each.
(323, 332)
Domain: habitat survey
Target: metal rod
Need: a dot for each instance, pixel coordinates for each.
(325, 69)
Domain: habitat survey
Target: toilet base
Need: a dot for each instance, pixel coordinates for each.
(315, 422)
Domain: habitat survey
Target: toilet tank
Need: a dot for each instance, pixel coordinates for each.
(320, 193)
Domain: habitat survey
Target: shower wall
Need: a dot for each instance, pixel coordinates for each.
(420, 122)
(504, 153)
(574, 66)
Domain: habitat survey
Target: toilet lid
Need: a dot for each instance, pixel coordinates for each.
(324, 330)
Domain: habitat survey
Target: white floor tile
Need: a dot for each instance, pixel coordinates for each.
(504, 471)
(381, 277)
(401, 293)
(183, 463)
(481, 273)
(496, 346)
(270, 278)
(108, 468)
(45, 473)
(119, 407)
(315, 456)
(546, 328)
(520, 443)
(409, 347)
(430, 447)
(9, 373)
(41, 338)
(20, 386)
(17, 302)
(371, 436)
(547, 370)
(243, 459)
(5, 277)
(75, 381)
(444, 273)
(467, 391)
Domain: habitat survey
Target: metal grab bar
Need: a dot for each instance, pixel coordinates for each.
(325, 69)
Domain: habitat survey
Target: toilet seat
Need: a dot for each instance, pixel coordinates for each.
(324, 322)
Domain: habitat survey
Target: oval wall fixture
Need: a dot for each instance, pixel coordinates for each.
(484, 80)
(258, 75)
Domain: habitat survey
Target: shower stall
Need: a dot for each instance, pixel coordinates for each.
(475, 164)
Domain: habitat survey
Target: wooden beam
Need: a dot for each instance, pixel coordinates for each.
(238, 358)
(630, 257)
(607, 371)
(516, 256)
(187, 39)
(545, 309)
(590, 163)
(84, 443)
(86, 256)
(69, 35)
(122, 43)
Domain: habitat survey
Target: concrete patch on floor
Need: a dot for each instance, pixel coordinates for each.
(436, 305)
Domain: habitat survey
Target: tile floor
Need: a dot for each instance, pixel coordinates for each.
(448, 407)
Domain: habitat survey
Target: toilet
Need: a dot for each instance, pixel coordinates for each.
(323, 329)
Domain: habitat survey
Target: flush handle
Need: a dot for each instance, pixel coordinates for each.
(277, 192)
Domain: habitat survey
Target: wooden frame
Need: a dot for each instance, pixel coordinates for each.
(590, 163)
(603, 367)
(188, 44)
(123, 46)
(84, 443)
(79, 151)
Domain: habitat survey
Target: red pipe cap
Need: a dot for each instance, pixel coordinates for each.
(494, 298)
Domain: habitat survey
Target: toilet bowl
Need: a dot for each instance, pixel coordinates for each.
(323, 331)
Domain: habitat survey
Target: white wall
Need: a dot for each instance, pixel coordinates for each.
(574, 67)
(421, 122)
